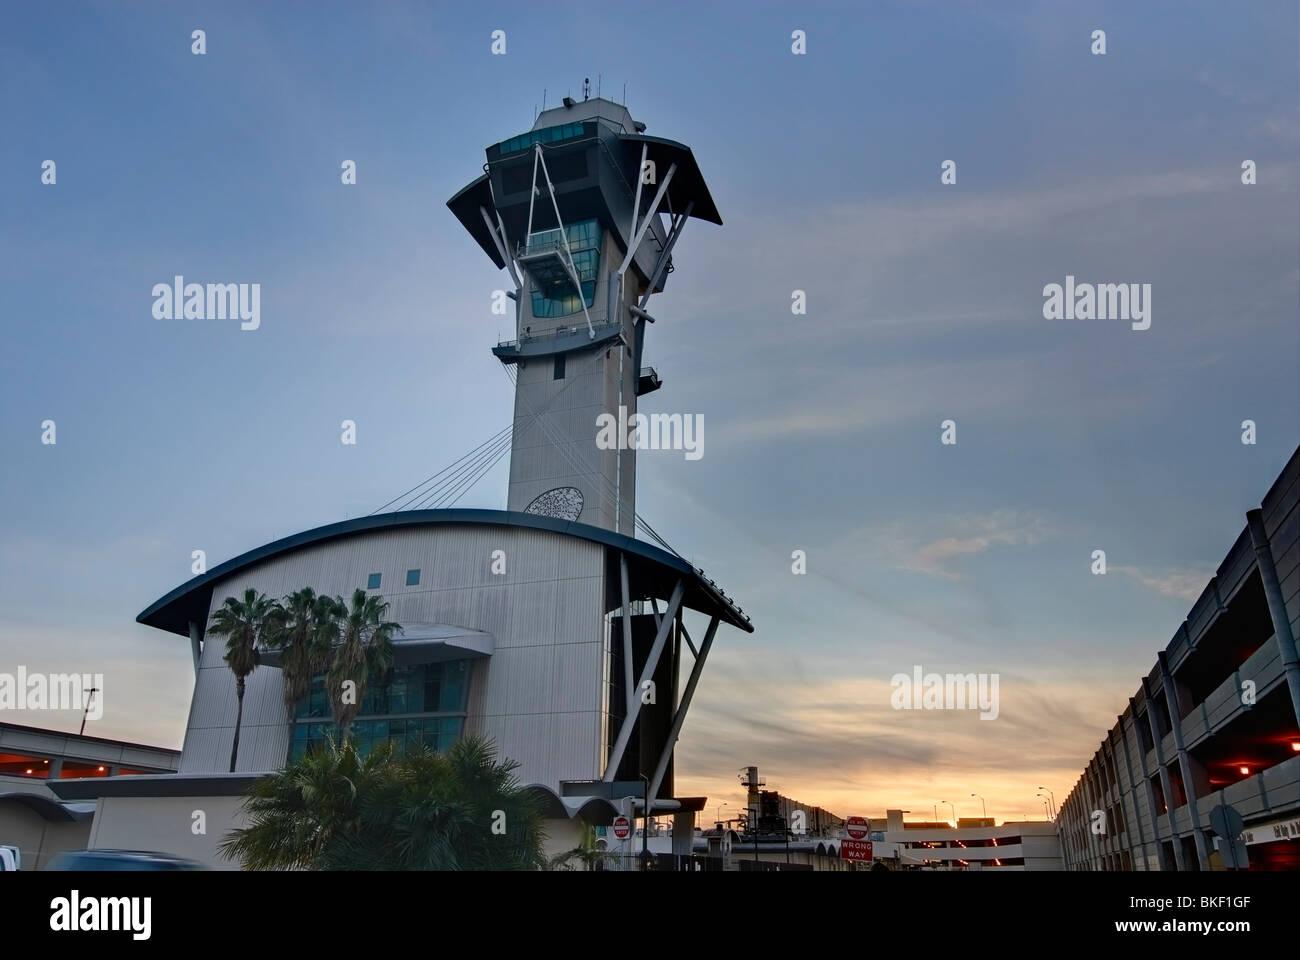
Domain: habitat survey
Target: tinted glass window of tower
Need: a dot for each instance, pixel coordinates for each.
(559, 298)
(565, 131)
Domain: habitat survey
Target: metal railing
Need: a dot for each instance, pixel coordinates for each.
(551, 334)
(536, 248)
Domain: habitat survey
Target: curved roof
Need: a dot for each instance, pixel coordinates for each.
(465, 205)
(687, 184)
(191, 600)
(49, 809)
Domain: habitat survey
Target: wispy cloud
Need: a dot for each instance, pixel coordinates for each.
(935, 547)
(828, 736)
(1182, 583)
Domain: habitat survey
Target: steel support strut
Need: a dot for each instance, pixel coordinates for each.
(680, 716)
(651, 664)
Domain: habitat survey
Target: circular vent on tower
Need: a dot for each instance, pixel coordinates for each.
(563, 503)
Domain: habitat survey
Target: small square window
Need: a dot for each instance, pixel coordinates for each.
(373, 582)
(412, 578)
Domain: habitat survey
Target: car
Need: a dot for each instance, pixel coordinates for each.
(120, 860)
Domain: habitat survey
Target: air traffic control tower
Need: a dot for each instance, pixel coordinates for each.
(583, 210)
(547, 627)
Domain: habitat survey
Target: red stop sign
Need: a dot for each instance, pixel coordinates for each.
(622, 827)
(858, 827)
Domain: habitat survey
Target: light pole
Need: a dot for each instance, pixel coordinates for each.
(1053, 795)
(626, 846)
(952, 808)
(645, 825)
(85, 713)
(1046, 812)
(983, 805)
(720, 806)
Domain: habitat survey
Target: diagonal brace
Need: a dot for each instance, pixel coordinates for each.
(680, 717)
(651, 664)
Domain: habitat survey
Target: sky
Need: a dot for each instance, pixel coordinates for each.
(924, 304)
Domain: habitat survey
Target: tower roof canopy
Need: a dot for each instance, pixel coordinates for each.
(688, 183)
(686, 188)
(466, 204)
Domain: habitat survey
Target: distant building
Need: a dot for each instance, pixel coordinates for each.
(773, 813)
(974, 843)
(32, 817)
(1216, 723)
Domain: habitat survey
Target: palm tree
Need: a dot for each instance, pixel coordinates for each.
(245, 624)
(364, 650)
(301, 634)
(296, 813)
(334, 809)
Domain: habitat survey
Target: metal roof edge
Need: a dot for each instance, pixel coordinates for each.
(150, 616)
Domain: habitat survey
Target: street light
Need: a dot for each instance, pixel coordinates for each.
(1045, 810)
(85, 713)
(982, 804)
(1053, 796)
(720, 806)
(645, 826)
(1051, 814)
(627, 846)
(952, 808)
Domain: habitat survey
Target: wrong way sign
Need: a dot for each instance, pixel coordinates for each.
(622, 827)
(855, 850)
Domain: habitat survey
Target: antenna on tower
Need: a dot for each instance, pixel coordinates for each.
(586, 89)
(625, 93)
(598, 86)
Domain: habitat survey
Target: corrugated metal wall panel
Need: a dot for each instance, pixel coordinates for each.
(203, 750)
(537, 695)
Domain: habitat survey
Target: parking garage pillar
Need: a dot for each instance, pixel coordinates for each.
(1166, 787)
(1276, 607)
(1184, 762)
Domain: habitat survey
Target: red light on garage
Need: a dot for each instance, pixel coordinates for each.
(1245, 771)
(1295, 745)
(101, 769)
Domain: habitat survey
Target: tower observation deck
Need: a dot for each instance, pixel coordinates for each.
(583, 211)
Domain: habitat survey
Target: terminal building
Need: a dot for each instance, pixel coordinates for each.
(1214, 725)
(539, 626)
